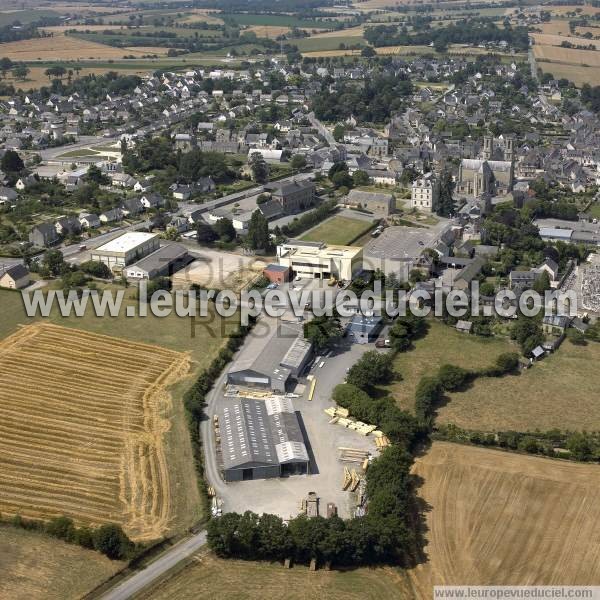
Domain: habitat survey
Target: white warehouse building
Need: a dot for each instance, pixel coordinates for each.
(126, 249)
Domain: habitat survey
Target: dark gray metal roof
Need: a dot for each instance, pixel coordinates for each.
(160, 259)
(260, 432)
(264, 354)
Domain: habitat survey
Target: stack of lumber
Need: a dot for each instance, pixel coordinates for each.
(353, 455)
(347, 479)
(382, 442)
(355, 481)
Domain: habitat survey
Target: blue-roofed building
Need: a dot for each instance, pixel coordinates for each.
(363, 329)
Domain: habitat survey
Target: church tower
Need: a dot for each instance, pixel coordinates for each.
(488, 147)
(509, 148)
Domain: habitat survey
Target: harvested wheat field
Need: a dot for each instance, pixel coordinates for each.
(567, 55)
(35, 566)
(205, 577)
(61, 47)
(82, 424)
(546, 39)
(268, 31)
(506, 519)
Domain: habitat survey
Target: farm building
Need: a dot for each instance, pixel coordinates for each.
(165, 261)
(126, 249)
(261, 439)
(271, 361)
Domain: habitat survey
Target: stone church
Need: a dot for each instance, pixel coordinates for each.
(493, 173)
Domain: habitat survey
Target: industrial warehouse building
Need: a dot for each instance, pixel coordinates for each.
(269, 362)
(260, 439)
(126, 249)
(164, 261)
(319, 260)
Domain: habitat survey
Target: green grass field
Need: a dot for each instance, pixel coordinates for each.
(560, 391)
(25, 16)
(338, 230)
(206, 577)
(314, 44)
(171, 332)
(276, 20)
(442, 344)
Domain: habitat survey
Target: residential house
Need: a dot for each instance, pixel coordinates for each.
(89, 221)
(111, 216)
(25, 182)
(44, 235)
(143, 185)
(132, 207)
(293, 196)
(153, 200)
(123, 180)
(67, 226)
(7, 195)
(14, 277)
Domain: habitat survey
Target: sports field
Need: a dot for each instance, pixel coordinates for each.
(83, 419)
(504, 519)
(338, 230)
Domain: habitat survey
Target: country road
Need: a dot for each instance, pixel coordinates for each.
(157, 569)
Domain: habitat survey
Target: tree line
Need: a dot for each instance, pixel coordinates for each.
(580, 446)
(467, 31)
(109, 539)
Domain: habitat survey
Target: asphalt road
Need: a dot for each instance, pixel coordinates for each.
(157, 569)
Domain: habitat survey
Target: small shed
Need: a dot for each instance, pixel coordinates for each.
(464, 326)
(537, 353)
(277, 273)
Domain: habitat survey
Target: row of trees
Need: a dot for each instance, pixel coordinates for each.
(466, 31)
(109, 539)
(581, 446)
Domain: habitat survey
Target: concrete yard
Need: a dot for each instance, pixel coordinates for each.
(215, 269)
(283, 496)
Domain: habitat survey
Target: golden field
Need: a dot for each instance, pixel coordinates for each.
(567, 56)
(505, 519)
(37, 567)
(83, 419)
(63, 47)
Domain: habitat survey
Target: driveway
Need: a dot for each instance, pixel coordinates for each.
(157, 569)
